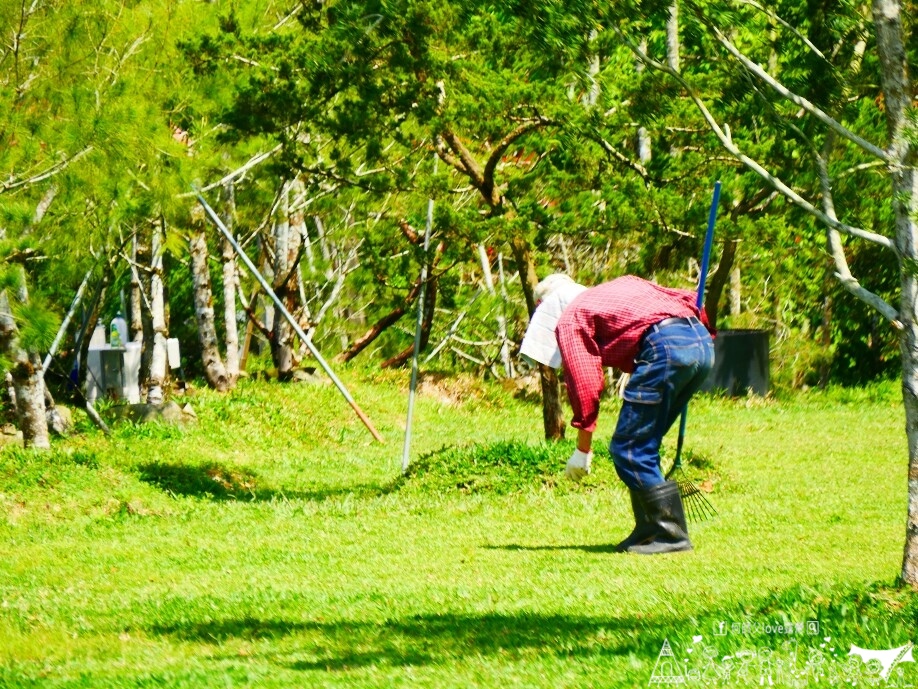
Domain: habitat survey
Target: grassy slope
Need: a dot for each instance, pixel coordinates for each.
(274, 544)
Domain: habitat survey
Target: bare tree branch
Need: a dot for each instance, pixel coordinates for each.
(235, 174)
(623, 159)
(843, 273)
(727, 142)
(447, 157)
(771, 14)
(811, 108)
(469, 165)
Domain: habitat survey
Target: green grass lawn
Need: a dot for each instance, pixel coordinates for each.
(273, 543)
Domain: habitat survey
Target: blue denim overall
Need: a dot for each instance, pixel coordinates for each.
(673, 361)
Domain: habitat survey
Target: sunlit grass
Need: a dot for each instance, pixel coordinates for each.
(274, 543)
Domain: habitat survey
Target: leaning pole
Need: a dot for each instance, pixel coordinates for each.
(290, 319)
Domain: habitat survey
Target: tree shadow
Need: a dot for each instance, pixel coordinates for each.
(429, 639)
(586, 548)
(219, 482)
(312, 642)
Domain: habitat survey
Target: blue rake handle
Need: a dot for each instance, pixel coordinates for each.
(699, 300)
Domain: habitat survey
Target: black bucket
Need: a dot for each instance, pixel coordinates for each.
(740, 362)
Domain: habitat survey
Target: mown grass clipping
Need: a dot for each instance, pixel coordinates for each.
(501, 468)
(508, 467)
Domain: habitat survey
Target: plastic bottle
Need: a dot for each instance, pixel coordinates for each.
(117, 331)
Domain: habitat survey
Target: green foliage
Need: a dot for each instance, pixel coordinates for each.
(124, 105)
(38, 325)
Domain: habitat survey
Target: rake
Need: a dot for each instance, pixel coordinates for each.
(697, 507)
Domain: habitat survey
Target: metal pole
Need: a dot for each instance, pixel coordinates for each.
(290, 319)
(699, 300)
(63, 328)
(406, 447)
(708, 241)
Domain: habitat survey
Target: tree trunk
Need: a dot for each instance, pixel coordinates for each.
(897, 93)
(157, 373)
(644, 145)
(719, 280)
(143, 257)
(91, 319)
(285, 251)
(380, 326)
(672, 37)
(28, 382)
(430, 302)
(214, 370)
(552, 413)
(486, 277)
(825, 365)
(135, 323)
(736, 293)
(229, 287)
(502, 321)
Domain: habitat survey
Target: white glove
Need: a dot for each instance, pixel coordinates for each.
(578, 465)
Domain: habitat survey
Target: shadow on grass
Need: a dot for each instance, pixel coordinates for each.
(881, 613)
(219, 482)
(596, 548)
(429, 639)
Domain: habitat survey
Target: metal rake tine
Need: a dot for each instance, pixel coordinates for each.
(699, 508)
(688, 489)
(702, 508)
(697, 511)
(693, 515)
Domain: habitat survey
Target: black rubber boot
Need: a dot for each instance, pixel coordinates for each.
(642, 528)
(660, 521)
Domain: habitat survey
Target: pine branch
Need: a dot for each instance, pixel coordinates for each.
(502, 145)
(14, 183)
(469, 165)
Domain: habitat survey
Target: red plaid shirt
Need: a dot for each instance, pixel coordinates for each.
(603, 327)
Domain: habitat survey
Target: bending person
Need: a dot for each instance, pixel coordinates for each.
(659, 336)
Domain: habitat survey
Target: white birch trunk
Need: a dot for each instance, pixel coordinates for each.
(228, 256)
(486, 276)
(592, 95)
(502, 322)
(897, 91)
(157, 375)
(307, 245)
(323, 242)
(135, 325)
(214, 371)
(672, 37)
(285, 248)
(644, 149)
(736, 302)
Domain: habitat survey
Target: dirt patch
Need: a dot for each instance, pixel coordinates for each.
(449, 389)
